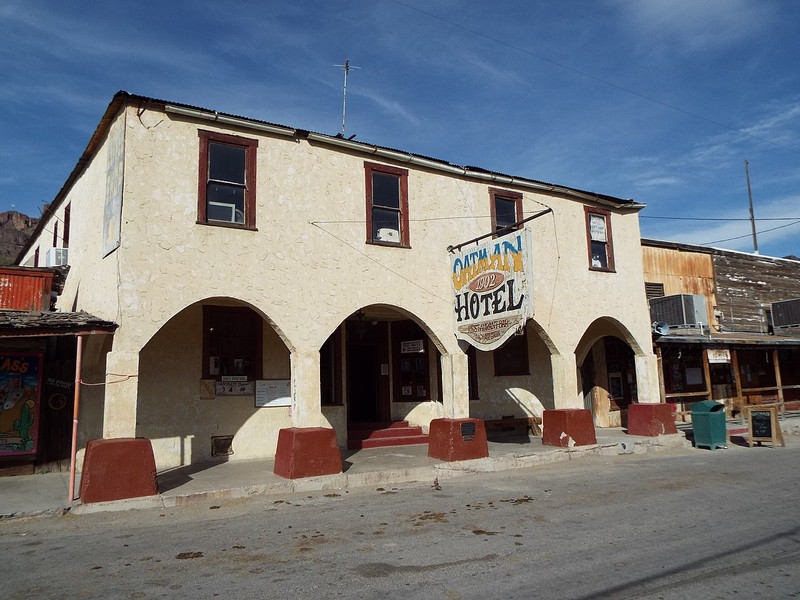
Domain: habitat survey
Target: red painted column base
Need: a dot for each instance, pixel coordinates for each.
(650, 419)
(307, 452)
(118, 468)
(457, 439)
(568, 427)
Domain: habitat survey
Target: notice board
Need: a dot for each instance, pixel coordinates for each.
(763, 426)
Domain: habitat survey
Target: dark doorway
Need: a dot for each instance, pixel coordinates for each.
(362, 383)
(367, 372)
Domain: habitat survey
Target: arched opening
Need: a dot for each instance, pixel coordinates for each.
(379, 370)
(607, 372)
(198, 380)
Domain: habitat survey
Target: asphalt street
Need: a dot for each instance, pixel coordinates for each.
(683, 523)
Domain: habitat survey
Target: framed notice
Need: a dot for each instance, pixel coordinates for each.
(234, 385)
(763, 426)
(273, 392)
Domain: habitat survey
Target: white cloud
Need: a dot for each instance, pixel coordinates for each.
(693, 25)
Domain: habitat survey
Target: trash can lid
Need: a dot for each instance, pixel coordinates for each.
(705, 406)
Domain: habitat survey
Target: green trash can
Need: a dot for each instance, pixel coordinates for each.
(708, 425)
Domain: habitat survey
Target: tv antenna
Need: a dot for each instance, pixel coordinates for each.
(346, 68)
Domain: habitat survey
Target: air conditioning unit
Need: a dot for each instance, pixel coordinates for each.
(57, 257)
(388, 235)
(786, 314)
(680, 310)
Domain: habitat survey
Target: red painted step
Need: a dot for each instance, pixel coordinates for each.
(378, 435)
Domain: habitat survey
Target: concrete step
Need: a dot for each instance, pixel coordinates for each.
(386, 442)
(377, 435)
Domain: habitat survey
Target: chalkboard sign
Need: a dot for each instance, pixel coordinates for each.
(762, 423)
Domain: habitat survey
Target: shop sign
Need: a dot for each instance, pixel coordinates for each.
(412, 347)
(493, 289)
(719, 355)
(20, 385)
(234, 385)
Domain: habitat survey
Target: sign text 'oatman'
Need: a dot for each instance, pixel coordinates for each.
(492, 287)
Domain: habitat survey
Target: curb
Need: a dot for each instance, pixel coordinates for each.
(343, 481)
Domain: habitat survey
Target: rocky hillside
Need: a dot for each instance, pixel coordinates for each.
(15, 229)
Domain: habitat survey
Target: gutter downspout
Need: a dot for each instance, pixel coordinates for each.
(75, 409)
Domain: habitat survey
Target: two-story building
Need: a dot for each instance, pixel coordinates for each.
(265, 277)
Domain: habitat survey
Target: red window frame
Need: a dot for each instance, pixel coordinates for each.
(402, 176)
(608, 245)
(498, 194)
(223, 316)
(250, 146)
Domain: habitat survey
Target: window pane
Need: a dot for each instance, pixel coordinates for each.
(599, 255)
(233, 340)
(225, 203)
(385, 190)
(226, 163)
(505, 212)
(597, 228)
(385, 225)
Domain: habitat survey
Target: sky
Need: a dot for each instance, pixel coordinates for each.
(661, 101)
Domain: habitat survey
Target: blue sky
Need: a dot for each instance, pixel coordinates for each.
(661, 101)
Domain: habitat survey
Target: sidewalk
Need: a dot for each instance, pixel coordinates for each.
(46, 494)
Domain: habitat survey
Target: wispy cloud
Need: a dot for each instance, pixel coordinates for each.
(692, 25)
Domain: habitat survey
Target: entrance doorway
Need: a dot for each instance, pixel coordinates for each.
(367, 389)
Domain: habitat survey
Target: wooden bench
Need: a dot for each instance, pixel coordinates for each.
(514, 425)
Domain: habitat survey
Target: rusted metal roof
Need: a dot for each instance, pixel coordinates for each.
(23, 323)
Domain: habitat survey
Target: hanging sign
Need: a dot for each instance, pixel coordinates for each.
(493, 289)
(20, 385)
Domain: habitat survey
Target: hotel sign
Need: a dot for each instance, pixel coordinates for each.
(493, 289)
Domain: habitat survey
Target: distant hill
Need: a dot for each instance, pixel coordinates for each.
(15, 230)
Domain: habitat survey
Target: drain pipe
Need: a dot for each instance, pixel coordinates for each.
(76, 406)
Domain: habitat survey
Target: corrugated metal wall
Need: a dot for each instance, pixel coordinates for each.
(25, 289)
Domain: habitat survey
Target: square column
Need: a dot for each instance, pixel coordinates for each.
(121, 394)
(455, 385)
(651, 419)
(306, 392)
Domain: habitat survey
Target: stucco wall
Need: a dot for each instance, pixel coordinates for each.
(306, 269)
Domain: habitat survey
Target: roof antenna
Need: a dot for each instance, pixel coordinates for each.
(346, 68)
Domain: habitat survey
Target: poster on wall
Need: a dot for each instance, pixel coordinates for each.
(20, 385)
(493, 289)
(273, 392)
(115, 168)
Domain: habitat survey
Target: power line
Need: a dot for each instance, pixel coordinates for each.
(739, 237)
(719, 218)
(595, 78)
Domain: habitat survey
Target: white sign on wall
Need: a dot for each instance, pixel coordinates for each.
(273, 392)
(493, 289)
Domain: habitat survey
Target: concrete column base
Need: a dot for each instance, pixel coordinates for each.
(457, 439)
(568, 427)
(650, 419)
(307, 452)
(118, 468)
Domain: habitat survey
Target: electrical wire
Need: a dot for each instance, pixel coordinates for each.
(739, 237)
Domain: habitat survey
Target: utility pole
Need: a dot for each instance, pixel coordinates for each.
(752, 215)
(346, 68)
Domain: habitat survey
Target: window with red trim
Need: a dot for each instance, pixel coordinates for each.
(599, 239)
(227, 186)
(387, 205)
(506, 209)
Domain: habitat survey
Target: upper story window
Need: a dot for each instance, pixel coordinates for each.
(387, 205)
(599, 240)
(506, 210)
(227, 187)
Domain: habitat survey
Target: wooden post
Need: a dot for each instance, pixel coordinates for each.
(777, 364)
(707, 374)
(737, 380)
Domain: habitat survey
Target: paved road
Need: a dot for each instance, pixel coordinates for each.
(679, 524)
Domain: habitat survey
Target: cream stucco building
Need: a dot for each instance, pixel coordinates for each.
(266, 277)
